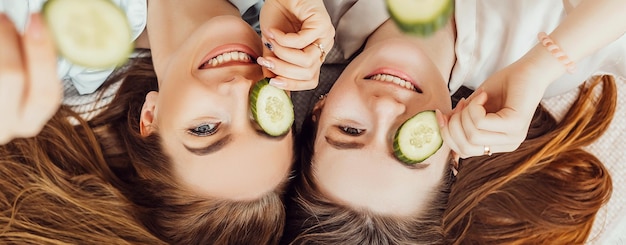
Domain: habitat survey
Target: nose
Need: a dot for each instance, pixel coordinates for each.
(387, 111)
(236, 91)
(237, 84)
(388, 108)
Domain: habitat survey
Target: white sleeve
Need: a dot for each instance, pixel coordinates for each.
(88, 80)
(355, 21)
(491, 35)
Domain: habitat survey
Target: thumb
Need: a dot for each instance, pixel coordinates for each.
(479, 97)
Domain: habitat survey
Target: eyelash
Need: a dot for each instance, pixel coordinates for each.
(351, 131)
(212, 129)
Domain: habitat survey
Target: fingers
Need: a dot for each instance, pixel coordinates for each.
(287, 70)
(467, 132)
(487, 121)
(307, 57)
(311, 32)
(44, 92)
(12, 78)
(295, 69)
(297, 34)
(30, 93)
(293, 85)
(312, 23)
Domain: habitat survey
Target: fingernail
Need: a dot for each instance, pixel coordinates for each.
(35, 26)
(269, 46)
(440, 119)
(265, 63)
(277, 83)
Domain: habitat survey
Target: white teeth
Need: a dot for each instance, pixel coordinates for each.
(227, 57)
(393, 79)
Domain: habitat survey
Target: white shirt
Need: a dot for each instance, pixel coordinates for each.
(492, 34)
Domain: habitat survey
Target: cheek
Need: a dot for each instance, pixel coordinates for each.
(440, 161)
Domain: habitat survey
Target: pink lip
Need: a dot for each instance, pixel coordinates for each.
(396, 73)
(229, 48)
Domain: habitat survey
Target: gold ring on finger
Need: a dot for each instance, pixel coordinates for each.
(321, 48)
(487, 151)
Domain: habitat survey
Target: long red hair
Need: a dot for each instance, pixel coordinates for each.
(549, 190)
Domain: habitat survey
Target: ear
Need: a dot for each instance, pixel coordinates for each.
(146, 120)
(317, 108)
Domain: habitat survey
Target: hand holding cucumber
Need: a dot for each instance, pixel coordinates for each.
(497, 115)
(30, 92)
(300, 34)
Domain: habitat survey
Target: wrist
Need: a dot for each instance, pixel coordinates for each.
(542, 67)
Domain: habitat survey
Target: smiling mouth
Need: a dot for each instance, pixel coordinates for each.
(382, 77)
(228, 58)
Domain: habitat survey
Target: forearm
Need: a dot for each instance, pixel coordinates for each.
(590, 26)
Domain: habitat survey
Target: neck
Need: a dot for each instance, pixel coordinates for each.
(439, 47)
(171, 22)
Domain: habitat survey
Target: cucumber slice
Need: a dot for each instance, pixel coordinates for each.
(420, 17)
(418, 138)
(89, 33)
(271, 108)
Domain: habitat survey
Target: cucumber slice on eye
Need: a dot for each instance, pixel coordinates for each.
(89, 33)
(271, 108)
(420, 17)
(418, 138)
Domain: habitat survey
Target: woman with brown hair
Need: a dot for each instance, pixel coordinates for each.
(58, 189)
(553, 191)
(354, 190)
(188, 156)
(55, 188)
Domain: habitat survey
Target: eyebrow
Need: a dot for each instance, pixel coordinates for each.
(216, 146)
(355, 145)
(223, 142)
(344, 145)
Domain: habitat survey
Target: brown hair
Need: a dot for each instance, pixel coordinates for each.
(166, 208)
(547, 190)
(56, 188)
(314, 219)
